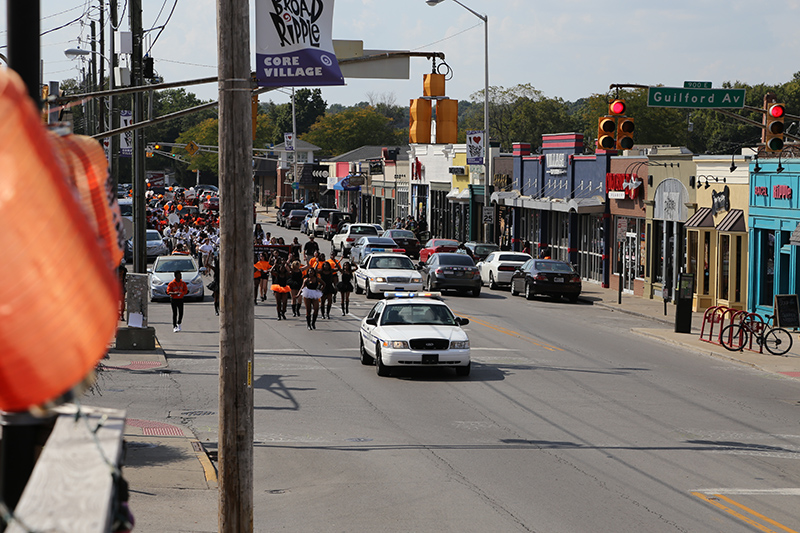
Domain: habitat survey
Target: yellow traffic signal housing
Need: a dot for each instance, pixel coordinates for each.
(419, 128)
(625, 127)
(446, 121)
(606, 128)
(773, 140)
(433, 85)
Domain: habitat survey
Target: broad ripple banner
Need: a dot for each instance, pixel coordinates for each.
(294, 45)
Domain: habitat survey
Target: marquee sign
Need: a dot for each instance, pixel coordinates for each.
(621, 186)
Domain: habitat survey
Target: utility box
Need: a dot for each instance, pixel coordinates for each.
(684, 296)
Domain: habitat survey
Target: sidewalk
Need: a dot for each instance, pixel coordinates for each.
(664, 330)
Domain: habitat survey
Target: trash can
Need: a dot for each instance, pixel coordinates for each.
(683, 303)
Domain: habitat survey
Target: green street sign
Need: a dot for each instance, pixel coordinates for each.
(695, 98)
(697, 85)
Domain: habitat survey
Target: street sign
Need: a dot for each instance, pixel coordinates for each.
(488, 215)
(695, 98)
(622, 229)
(295, 185)
(192, 148)
(697, 85)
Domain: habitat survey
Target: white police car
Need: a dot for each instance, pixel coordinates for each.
(414, 329)
(371, 244)
(387, 272)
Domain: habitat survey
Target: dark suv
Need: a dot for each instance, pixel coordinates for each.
(335, 222)
(286, 208)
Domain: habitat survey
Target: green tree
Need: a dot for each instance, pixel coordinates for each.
(309, 106)
(350, 129)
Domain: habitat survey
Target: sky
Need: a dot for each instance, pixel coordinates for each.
(567, 49)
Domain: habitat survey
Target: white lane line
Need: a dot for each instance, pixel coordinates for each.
(753, 492)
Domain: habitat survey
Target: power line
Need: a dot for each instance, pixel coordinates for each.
(174, 5)
(446, 38)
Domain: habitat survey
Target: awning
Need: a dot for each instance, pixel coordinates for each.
(344, 185)
(734, 222)
(503, 197)
(795, 237)
(701, 219)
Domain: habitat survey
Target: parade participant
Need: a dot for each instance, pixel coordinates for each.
(280, 286)
(214, 285)
(328, 277)
(345, 286)
(296, 275)
(261, 276)
(312, 290)
(337, 267)
(310, 248)
(177, 289)
(296, 249)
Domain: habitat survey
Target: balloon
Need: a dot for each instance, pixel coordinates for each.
(180, 207)
(170, 189)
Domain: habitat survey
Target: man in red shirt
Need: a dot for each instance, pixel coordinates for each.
(177, 289)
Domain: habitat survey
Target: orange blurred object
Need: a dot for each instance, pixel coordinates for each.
(59, 296)
(180, 207)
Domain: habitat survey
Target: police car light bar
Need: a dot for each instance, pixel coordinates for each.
(391, 250)
(407, 294)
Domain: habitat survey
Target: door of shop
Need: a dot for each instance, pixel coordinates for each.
(630, 263)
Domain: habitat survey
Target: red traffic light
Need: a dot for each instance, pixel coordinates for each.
(617, 107)
(777, 110)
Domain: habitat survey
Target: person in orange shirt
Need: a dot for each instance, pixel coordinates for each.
(261, 276)
(177, 289)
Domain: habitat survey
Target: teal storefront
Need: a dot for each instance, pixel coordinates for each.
(774, 215)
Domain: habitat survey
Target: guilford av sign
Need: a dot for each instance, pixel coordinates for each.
(694, 98)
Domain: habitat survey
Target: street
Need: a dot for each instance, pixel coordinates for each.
(567, 423)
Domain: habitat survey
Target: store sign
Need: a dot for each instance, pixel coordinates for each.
(720, 201)
(621, 186)
(458, 171)
(556, 164)
(761, 191)
(375, 167)
(616, 195)
(357, 181)
(782, 192)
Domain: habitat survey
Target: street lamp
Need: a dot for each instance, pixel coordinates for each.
(487, 178)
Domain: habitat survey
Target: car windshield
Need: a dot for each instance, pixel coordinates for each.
(171, 265)
(153, 235)
(547, 266)
(513, 257)
(483, 249)
(363, 230)
(454, 244)
(298, 213)
(456, 259)
(380, 242)
(403, 234)
(418, 314)
(126, 209)
(400, 262)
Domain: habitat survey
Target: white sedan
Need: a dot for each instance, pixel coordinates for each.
(413, 329)
(498, 267)
(163, 272)
(387, 272)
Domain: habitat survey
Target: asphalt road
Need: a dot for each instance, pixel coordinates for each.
(568, 423)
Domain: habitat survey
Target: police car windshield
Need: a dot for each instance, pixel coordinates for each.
(414, 314)
(399, 262)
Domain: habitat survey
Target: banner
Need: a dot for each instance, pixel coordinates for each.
(294, 45)
(288, 142)
(125, 139)
(475, 147)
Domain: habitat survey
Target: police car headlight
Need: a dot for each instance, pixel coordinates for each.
(459, 345)
(377, 279)
(396, 345)
(416, 279)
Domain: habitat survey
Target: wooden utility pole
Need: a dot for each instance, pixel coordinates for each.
(139, 188)
(236, 277)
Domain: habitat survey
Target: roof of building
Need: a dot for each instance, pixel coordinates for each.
(370, 152)
(300, 144)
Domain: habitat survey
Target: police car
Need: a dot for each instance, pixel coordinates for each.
(382, 272)
(414, 329)
(371, 244)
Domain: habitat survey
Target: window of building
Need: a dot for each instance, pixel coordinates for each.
(724, 266)
(766, 241)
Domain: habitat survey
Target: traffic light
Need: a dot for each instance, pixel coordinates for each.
(625, 127)
(606, 128)
(156, 146)
(419, 128)
(617, 107)
(446, 121)
(774, 127)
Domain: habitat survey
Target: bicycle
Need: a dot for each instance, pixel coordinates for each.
(734, 337)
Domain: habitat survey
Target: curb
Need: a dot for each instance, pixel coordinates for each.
(600, 303)
(208, 467)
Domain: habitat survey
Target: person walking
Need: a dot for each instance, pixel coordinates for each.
(337, 267)
(296, 276)
(261, 276)
(177, 289)
(280, 286)
(345, 286)
(312, 290)
(296, 249)
(328, 277)
(214, 285)
(310, 248)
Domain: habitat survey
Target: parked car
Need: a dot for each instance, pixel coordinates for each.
(448, 270)
(406, 239)
(435, 246)
(498, 267)
(318, 220)
(304, 223)
(285, 209)
(548, 277)
(295, 218)
(155, 246)
(479, 250)
(210, 204)
(414, 330)
(387, 272)
(163, 272)
(343, 241)
(369, 244)
(335, 223)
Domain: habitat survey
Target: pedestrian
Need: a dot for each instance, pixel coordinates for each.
(345, 286)
(261, 277)
(337, 267)
(258, 234)
(177, 289)
(214, 285)
(329, 279)
(296, 276)
(310, 248)
(312, 290)
(280, 286)
(205, 250)
(296, 249)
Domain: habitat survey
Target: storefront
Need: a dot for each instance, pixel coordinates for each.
(626, 193)
(774, 215)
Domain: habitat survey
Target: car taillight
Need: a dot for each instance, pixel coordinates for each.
(575, 279)
(350, 239)
(438, 271)
(540, 277)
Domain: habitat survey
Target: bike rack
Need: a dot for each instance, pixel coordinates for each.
(724, 316)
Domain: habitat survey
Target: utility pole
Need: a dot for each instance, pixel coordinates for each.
(102, 80)
(139, 222)
(236, 254)
(112, 99)
(92, 125)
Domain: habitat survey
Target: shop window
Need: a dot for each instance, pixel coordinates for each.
(767, 249)
(785, 255)
(738, 251)
(691, 265)
(706, 261)
(724, 260)
(658, 251)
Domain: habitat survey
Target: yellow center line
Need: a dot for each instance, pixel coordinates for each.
(738, 515)
(511, 333)
(755, 513)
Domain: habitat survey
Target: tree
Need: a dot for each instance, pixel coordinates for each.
(309, 106)
(350, 129)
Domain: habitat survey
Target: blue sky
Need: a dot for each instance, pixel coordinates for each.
(567, 49)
